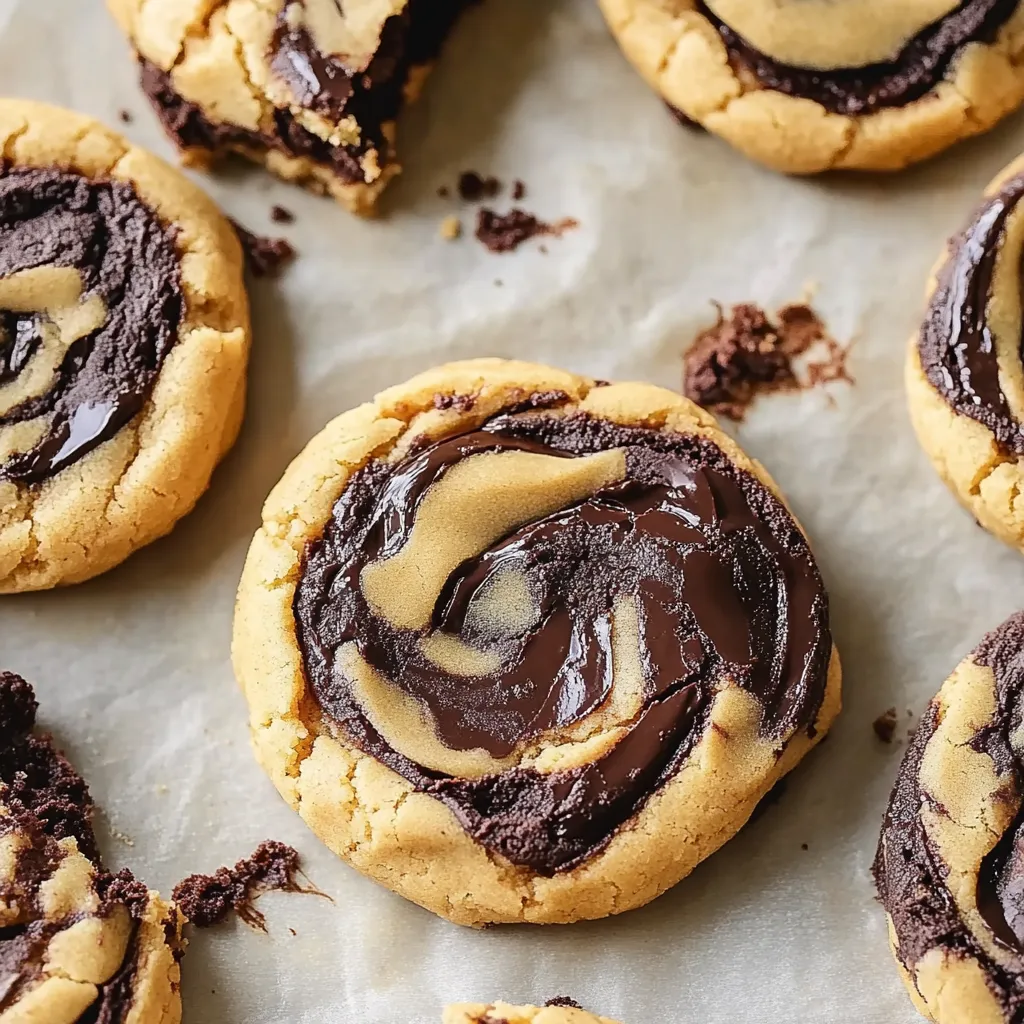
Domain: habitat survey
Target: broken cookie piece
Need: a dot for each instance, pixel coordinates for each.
(309, 88)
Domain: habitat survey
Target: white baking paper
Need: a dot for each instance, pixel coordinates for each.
(132, 669)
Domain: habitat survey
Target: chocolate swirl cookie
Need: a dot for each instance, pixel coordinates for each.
(811, 85)
(950, 862)
(558, 1011)
(77, 944)
(527, 648)
(964, 376)
(123, 346)
(310, 88)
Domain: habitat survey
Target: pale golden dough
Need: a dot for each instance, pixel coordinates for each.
(680, 54)
(132, 489)
(488, 1013)
(372, 817)
(984, 476)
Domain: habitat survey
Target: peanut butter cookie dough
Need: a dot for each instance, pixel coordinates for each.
(812, 85)
(950, 863)
(512, 646)
(964, 377)
(124, 337)
(309, 88)
(76, 942)
(557, 1012)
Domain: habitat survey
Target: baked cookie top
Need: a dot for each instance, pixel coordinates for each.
(558, 1011)
(315, 83)
(76, 942)
(809, 85)
(120, 286)
(950, 862)
(533, 601)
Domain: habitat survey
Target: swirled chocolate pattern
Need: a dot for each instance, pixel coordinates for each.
(580, 545)
(957, 346)
(77, 944)
(914, 70)
(90, 303)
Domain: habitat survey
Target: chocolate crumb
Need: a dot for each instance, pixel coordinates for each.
(518, 190)
(885, 725)
(747, 354)
(444, 192)
(293, 931)
(505, 232)
(461, 403)
(264, 257)
(126, 116)
(804, 846)
(281, 215)
(473, 186)
(207, 900)
(563, 1001)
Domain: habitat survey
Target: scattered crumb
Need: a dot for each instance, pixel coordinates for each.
(126, 116)
(746, 355)
(885, 725)
(563, 1001)
(122, 838)
(444, 192)
(804, 846)
(543, 250)
(264, 257)
(451, 228)
(518, 190)
(293, 931)
(498, 283)
(162, 788)
(910, 713)
(208, 899)
(281, 215)
(473, 186)
(505, 232)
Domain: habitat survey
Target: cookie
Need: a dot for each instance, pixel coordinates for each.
(812, 85)
(558, 1011)
(77, 943)
(309, 88)
(964, 376)
(950, 862)
(124, 336)
(511, 641)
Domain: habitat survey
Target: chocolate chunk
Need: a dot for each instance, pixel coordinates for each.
(563, 1001)
(473, 186)
(505, 232)
(885, 725)
(461, 403)
(264, 257)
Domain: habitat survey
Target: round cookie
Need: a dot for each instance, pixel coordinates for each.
(309, 88)
(964, 376)
(124, 337)
(76, 942)
(950, 861)
(511, 641)
(558, 1011)
(812, 85)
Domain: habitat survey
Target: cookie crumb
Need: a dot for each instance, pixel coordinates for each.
(281, 215)
(747, 354)
(563, 1001)
(505, 232)
(885, 725)
(207, 900)
(451, 228)
(518, 190)
(125, 116)
(473, 186)
(264, 257)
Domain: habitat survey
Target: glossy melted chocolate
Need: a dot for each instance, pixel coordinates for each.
(52, 218)
(725, 588)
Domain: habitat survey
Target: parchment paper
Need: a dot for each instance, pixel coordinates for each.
(132, 669)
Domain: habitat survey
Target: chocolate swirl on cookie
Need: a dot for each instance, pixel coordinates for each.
(73, 937)
(957, 345)
(90, 303)
(530, 621)
(915, 69)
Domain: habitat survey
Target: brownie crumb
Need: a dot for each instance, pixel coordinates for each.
(460, 403)
(208, 899)
(451, 228)
(505, 232)
(264, 257)
(885, 725)
(122, 889)
(473, 186)
(281, 215)
(563, 1001)
(747, 354)
(126, 116)
(518, 190)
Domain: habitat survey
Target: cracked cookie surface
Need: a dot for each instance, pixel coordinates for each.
(504, 643)
(806, 86)
(964, 376)
(76, 942)
(124, 337)
(309, 88)
(555, 1012)
(950, 862)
